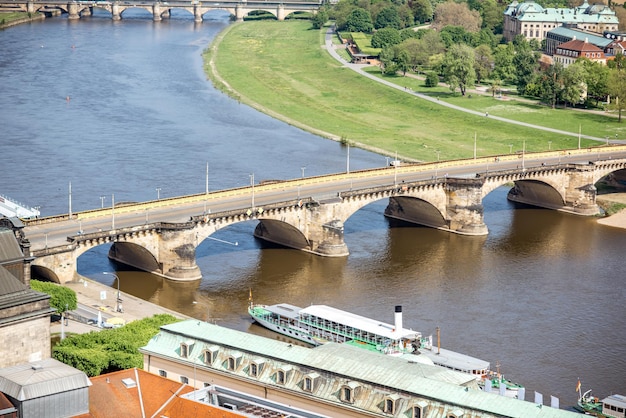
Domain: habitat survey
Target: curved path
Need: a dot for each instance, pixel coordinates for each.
(359, 69)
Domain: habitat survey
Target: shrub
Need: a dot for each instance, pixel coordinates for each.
(432, 79)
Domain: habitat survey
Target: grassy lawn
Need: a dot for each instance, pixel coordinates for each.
(281, 68)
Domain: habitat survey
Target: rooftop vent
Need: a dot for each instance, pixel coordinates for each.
(36, 366)
(129, 383)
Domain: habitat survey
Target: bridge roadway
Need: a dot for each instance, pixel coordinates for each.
(161, 9)
(54, 231)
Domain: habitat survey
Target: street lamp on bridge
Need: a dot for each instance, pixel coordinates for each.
(118, 306)
(158, 190)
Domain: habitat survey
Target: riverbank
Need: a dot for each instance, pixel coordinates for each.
(290, 75)
(89, 294)
(11, 18)
(617, 220)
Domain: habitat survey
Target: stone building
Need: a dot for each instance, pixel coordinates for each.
(24, 313)
(331, 380)
(534, 22)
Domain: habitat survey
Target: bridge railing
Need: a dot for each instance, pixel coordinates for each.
(352, 175)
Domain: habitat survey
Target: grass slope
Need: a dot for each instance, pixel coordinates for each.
(282, 69)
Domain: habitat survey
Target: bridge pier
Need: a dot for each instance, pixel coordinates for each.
(239, 13)
(576, 194)
(454, 206)
(115, 11)
(280, 12)
(156, 12)
(173, 258)
(197, 14)
(316, 228)
(72, 11)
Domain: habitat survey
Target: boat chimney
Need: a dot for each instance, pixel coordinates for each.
(398, 318)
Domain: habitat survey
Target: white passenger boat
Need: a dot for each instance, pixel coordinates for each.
(318, 324)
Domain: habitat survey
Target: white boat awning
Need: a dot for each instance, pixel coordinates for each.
(359, 322)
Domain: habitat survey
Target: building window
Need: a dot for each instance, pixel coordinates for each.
(308, 384)
(231, 363)
(184, 379)
(208, 357)
(389, 406)
(280, 377)
(184, 350)
(254, 370)
(162, 373)
(346, 394)
(417, 412)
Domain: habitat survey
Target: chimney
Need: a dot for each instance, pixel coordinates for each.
(398, 318)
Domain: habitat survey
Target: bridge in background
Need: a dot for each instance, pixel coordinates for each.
(159, 10)
(308, 214)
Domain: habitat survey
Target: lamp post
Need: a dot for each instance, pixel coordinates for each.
(252, 185)
(303, 168)
(102, 201)
(158, 190)
(437, 166)
(549, 145)
(510, 148)
(118, 307)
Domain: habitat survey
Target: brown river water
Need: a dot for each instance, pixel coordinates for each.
(543, 294)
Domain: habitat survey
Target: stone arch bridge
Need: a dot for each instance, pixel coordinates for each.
(159, 10)
(315, 225)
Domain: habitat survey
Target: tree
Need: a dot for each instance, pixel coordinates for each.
(525, 62)
(61, 298)
(483, 62)
(617, 91)
(550, 84)
(491, 14)
(503, 68)
(320, 19)
(422, 10)
(388, 18)
(596, 79)
(458, 67)
(456, 35)
(456, 14)
(574, 86)
(385, 37)
(359, 20)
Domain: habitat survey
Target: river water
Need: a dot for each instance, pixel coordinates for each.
(123, 108)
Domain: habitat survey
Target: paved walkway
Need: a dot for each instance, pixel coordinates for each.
(89, 292)
(359, 69)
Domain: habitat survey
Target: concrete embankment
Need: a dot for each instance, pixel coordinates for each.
(89, 294)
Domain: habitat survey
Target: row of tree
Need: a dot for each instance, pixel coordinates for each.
(110, 350)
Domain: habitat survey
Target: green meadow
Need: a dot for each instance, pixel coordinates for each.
(281, 68)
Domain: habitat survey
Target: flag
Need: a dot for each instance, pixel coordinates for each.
(578, 386)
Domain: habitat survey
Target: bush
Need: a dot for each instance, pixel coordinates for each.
(432, 79)
(61, 298)
(110, 350)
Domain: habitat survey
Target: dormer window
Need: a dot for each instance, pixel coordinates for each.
(419, 410)
(233, 361)
(348, 392)
(282, 375)
(255, 368)
(310, 382)
(457, 413)
(389, 405)
(185, 348)
(210, 354)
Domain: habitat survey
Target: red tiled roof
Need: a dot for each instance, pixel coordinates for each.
(110, 398)
(578, 45)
